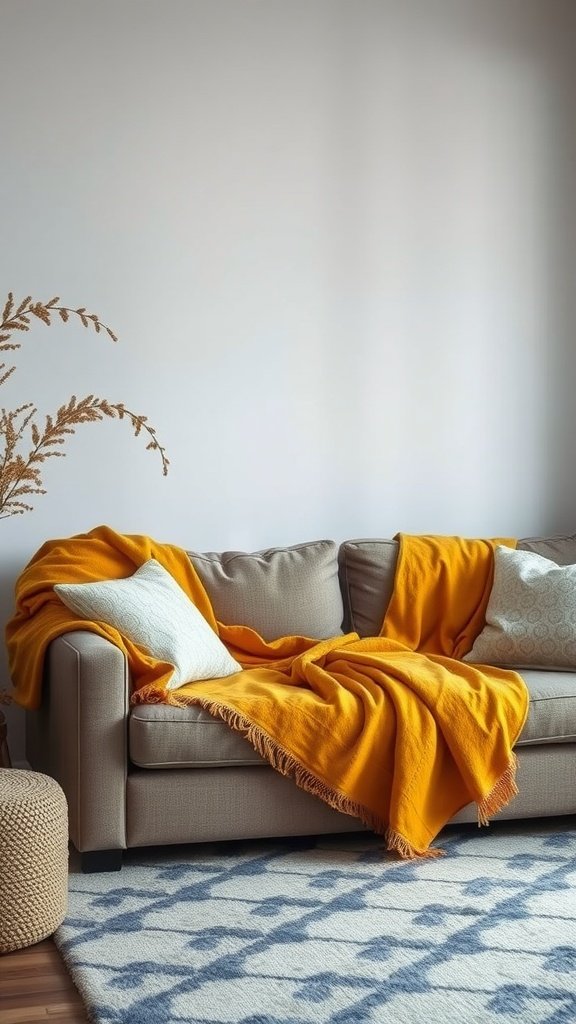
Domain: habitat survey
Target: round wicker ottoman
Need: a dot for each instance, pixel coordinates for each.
(33, 857)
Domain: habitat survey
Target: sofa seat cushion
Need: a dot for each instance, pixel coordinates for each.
(168, 737)
(552, 714)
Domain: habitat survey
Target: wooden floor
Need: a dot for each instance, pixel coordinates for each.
(35, 988)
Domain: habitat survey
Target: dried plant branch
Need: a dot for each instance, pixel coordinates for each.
(17, 318)
(20, 475)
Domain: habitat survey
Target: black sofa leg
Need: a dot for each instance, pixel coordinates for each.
(100, 860)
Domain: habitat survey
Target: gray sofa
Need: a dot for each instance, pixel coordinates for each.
(155, 774)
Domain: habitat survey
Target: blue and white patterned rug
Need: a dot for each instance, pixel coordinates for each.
(332, 933)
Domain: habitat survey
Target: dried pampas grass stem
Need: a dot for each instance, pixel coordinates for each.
(26, 444)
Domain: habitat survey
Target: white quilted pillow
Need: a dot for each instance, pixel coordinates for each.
(151, 609)
(531, 613)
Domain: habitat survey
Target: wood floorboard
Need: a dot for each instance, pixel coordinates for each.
(35, 988)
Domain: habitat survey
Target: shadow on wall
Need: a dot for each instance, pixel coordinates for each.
(543, 37)
(10, 569)
(561, 408)
(451, 255)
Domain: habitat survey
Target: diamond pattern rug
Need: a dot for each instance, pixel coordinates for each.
(332, 931)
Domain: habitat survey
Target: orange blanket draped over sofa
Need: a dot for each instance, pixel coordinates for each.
(394, 729)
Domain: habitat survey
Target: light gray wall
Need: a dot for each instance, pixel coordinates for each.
(337, 242)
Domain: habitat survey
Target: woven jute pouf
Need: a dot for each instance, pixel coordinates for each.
(33, 857)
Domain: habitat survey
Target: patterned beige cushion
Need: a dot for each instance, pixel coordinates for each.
(291, 591)
(151, 609)
(531, 613)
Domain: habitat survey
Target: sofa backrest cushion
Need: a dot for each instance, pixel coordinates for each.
(291, 591)
(367, 569)
(560, 549)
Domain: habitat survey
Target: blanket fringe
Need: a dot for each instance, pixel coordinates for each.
(286, 764)
(500, 795)
(396, 843)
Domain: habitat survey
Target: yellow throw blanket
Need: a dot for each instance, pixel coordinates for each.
(377, 729)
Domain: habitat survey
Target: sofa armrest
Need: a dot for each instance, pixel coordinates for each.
(84, 716)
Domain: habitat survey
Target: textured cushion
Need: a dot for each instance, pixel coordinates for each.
(560, 549)
(167, 737)
(552, 713)
(278, 592)
(367, 569)
(531, 613)
(151, 609)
